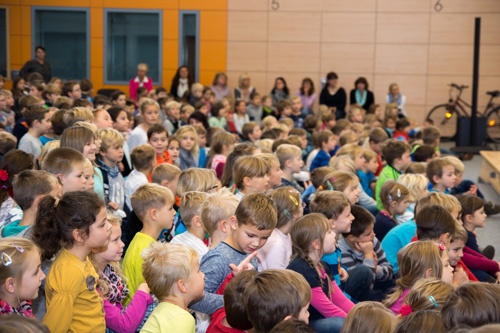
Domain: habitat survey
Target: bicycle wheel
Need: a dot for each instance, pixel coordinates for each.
(493, 124)
(444, 117)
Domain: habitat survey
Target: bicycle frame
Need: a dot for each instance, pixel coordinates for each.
(463, 104)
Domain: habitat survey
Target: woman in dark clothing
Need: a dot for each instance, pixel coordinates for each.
(361, 95)
(332, 96)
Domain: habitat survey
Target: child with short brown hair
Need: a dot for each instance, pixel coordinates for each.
(256, 215)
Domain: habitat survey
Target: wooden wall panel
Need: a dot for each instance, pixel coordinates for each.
(450, 59)
(404, 29)
(351, 58)
(401, 59)
(348, 28)
(490, 60)
(253, 5)
(459, 29)
(407, 6)
(367, 6)
(247, 26)
(246, 56)
(293, 57)
(466, 6)
(294, 27)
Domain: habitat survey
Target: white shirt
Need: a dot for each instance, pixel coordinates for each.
(190, 240)
(276, 253)
(134, 180)
(137, 137)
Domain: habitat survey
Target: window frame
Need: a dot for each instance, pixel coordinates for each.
(107, 11)
(34, 9)
(8, 75)
(181, 34)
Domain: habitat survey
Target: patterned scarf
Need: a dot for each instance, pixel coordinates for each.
(112, 172)
(186, 160)
(117, 289)
(24, 309)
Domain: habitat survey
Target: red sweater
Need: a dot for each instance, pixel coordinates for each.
(476, 260)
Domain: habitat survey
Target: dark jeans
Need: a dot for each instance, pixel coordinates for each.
(359, 283)
(361, 287)
(464, 186)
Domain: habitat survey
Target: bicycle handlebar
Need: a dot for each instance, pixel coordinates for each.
(459, 87)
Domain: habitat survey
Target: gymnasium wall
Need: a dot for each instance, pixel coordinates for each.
(386, 41)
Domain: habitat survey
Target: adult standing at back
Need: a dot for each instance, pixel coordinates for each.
(37, 65)
(141, 80)
(181, 83)
(332, 96)
(361, 95)
(219, 86)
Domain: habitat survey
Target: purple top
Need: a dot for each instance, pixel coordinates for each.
(307, 101)
(220, 94)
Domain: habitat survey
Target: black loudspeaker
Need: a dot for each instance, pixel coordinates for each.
(464, 126)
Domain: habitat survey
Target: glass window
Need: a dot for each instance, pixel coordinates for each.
(132, 38)
(3, 42)
(64, 35)
(189, 42)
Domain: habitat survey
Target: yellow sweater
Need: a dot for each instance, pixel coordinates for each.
(132, 263)
(73, 304)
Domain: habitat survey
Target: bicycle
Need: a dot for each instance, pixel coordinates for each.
(445, 115)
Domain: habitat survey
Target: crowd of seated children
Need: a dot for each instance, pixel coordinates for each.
(269, 234)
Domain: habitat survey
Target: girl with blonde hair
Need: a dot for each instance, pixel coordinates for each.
(189, 149)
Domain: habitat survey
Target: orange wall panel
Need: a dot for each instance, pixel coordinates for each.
(97, 54)
(25, 48)
(171, 24)
(203, 4)
(206, 77)
(213, 26)
(213, 55)
(58, 3)
(150, 4)
(11, 2)
(96, 23)
(97, 77)
(14, 13)
(97, 3)
(15, 52)
(170, 54)
(26, 21)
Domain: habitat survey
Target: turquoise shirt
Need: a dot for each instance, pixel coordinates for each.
(13, 229)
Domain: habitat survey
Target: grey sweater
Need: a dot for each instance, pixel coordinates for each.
(215, 266)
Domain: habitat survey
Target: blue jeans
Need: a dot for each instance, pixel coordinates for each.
(327, 325)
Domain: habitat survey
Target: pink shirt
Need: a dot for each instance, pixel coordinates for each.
(135, 84)
(396, 307)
